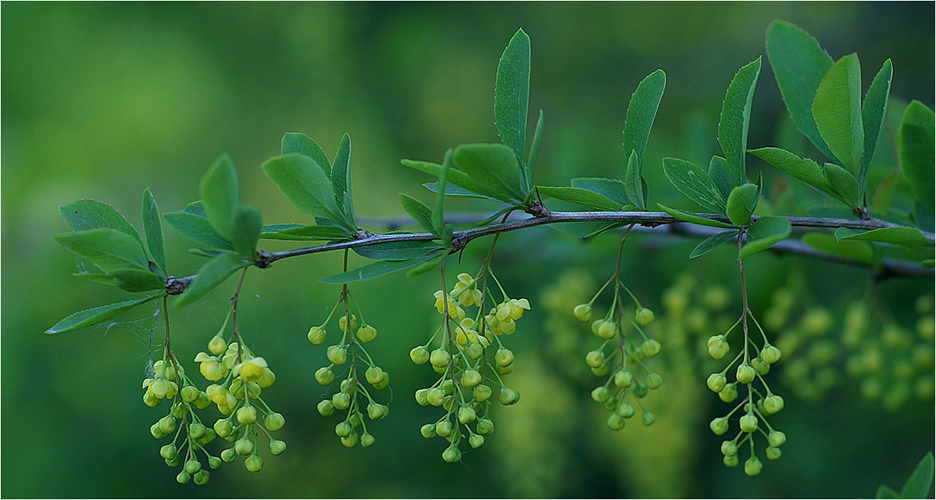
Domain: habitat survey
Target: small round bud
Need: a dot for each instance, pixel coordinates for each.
(776, 439)
(254, 463)
(644, 316)
(650, 348)
(773, 403)
(626, 410)
(606, 330)
(623, 379)
(648, 418)
(748, 423)
(508, 397)
(729, 393)
(716, 382)
(615, 422)
(168, 451)
(435, 396)
(485, 426)
(471, 378)
(594, 358)
(326, 408)
(773, 453)
(192, 466)
(481, 393)
(324, 376)
(343, 429)
(228, 455)
(451, 454)
(183, 477)
(503, 357)
(745, 373)
(274, 422)
(440, 358)
(730, 460)
(582, 312)
(729, 448)
(317, 335)
(367, 440)
(373, 375)
(197, 430)
(476, 440)
(640, 390)
(247, 415)
(428, 431)
(474, 351)
(422, 397)
(717, 346)
(753, 466)
(654, 380)
(214, 462)
(189, 394)
(466, 415)
(243, 446)
(377, 411)
(419, 355)
(367, 334)
(444, 428)
(167, 424)
(600, 394)
(277, 447)
(217, 345)
(760, 366)
(350, 441)
(337, 355)
(719, 425)
(223, 427)
(770, 354)
(341, 400)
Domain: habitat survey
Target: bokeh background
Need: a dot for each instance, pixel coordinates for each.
(101, 100)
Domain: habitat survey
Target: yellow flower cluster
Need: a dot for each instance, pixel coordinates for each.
(162, 385)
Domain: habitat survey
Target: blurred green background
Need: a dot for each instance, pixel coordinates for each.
(100, 100)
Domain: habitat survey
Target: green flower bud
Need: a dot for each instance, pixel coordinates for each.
(471, 378)
(274, 422)
(444, 428)
(623, 379)
(476, 440)
(341, 400)
(428, 431)
(602, 370)
(719, 425)
(277, 447)
(760, 366)
(202, 402)
(440, 358)
(317, 335)
(600, 394)
(419, 355)
(654, 380)
(192, 466)
(607, 330)
(436, 396)
(644, 316)
(168, 451)
(209, 436)
(626, 410)
(508, 397)
(422, 397)
(648, 418)
(183, 477)
(201, 477)
(377, 411)
(716, 382)
(367, 334)
(466, 415)
(745, 373)
(594, 358)
(650, 348)
(718, 346)
(254, 463)
(503, 357)
(729, 448)
(228, 455)
(367, 440)
(343, 429)
(770, 354)
(214, 462)
(247, 415)
(324, 376)
(157, 432)
(748, 423)
(474, 351)
(337, 355)
(451, 454)
(773, 453)
(167, 424)
(753, 466)
(243, 446)
(485, 427)
(776, 439)
(172, 462)
(326, 408)
(640, 390)
(730, 460)
(373, 375)
(189, 394)
(197, 430)
(350, 441)
(615, 422)
(773, 403)
(343, 323)
(582, 312)
(729, 393)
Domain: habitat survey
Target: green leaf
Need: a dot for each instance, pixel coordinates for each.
(872, 116)
(693, 218)
(842, 183)
(426, 266)
(109, 249)
(902, 236)
(296, 142)
(741, 203)
(735, 119)
(303, 232)
(471, 186)
(534, 150)
(634, 182)
(341, 179)
(494, 165)
(419, 211)
(921, 480)
(512, 98)
(94, 315)
(196, 208)
(197, 229)
(152, 227)
(712, 242)
(219, 194)
(695, 183)
(859, 251)
(397, 250)
(581, 196)
(100, 278)
(137, 280)
(212, 274)
(837, 109)
(303, 182)
(93, 214)
(377, 269)
(613, 189)
(437, 215)
(799, 64)
(720, 172)
(915, 146)
(885, 491)
(245, 229)
(803, 169)
(641, 110)
(764, 233)
(453, 190)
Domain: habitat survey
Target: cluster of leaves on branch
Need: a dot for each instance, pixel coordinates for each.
(467, 351)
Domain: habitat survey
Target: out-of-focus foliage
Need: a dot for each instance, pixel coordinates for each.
(103, 100)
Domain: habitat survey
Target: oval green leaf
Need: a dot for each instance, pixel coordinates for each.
(736, 118)
(740, 204)
(837, 109)
(94, 315)
(695, 183)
